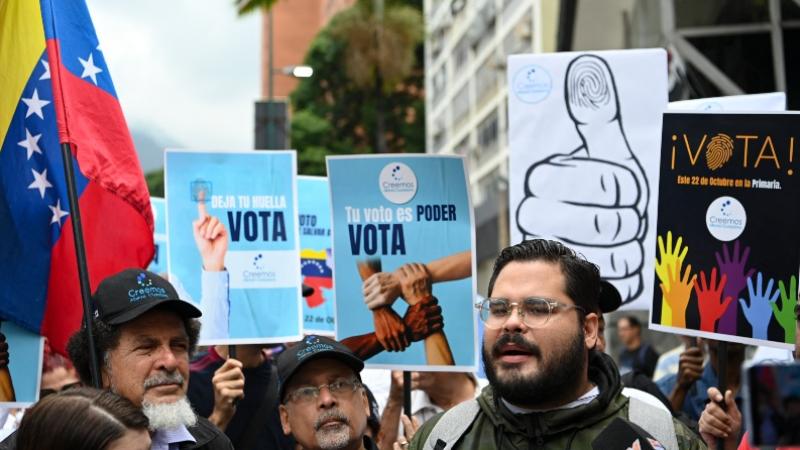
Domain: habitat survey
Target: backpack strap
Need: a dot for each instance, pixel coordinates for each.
(653, 420)
(452, 425)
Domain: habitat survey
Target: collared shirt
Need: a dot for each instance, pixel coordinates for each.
(582, 400)
(170, 439)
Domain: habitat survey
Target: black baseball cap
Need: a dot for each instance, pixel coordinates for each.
(127, 295)
(609, 299)
(310, 348)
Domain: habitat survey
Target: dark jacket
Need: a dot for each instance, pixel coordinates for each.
(497, 427)
(208, 437)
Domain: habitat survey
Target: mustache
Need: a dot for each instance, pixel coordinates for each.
(517, 340)
(163, 379)
(333, 414)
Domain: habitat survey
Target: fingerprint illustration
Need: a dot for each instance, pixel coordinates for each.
(719, 151)
(589, 84)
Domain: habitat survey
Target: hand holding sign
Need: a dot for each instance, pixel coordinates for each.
(605, 215)
(211, 238)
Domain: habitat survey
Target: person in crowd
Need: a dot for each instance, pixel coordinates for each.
(84, 419)
(239, 395)
(636, 356)
(323, 402)
(548, 385)
(687, 389)
(144, 334)
(431, 394)
(669, 361)
(718, 423)
(58, 373)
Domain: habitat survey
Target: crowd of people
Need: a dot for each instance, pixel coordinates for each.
(549, 382)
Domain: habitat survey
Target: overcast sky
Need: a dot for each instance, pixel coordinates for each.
(186, 72)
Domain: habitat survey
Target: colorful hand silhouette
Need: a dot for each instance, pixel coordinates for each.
(785, 314)
(734, 268)
(708, 299)
(671, 257)
(759, 312)
(678, 293)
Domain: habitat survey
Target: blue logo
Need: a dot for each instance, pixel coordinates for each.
(532, 84)
(146, 290)
(258, 262)
(143, 281)
(311, 339)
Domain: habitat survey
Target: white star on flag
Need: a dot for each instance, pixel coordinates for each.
(89, 69)
(31, 143)
(35, 105)
(57, 213)
(40, 181)
(46, 74)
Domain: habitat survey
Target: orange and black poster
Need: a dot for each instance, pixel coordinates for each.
(728, 231)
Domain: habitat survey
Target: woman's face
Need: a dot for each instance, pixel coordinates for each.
(138, 439)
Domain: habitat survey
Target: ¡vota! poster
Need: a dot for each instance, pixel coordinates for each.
(728, 249)
(233, 242)
(583, 163)
(404, 260)
(316, 256)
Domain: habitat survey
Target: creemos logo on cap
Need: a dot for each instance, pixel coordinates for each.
(145, 289)
(398, 183)
(726, 218)
(313, 346)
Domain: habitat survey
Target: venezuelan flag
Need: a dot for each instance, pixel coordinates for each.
(55, 88)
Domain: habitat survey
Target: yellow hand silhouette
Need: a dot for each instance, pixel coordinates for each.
(671, 257)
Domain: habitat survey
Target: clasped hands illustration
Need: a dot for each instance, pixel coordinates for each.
(715, 297)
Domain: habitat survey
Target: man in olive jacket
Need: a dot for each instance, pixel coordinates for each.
(548, 387)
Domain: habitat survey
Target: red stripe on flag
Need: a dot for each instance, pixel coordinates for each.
(92, 120)
(116, 237)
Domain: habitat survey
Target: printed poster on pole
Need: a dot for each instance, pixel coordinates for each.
(233, 242)
(404, 260)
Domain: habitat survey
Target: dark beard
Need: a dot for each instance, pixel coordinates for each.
(563, 368)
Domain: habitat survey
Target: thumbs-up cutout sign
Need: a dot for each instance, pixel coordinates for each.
(594, 198)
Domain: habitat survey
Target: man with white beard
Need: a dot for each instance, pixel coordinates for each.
(324, 405)
(144, 335)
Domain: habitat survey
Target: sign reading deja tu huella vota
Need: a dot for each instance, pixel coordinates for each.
(728, 248)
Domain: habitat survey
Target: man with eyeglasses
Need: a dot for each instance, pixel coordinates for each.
(548, 386)
(323, 403)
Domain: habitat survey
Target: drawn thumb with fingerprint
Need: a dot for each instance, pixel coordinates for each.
(594, 198)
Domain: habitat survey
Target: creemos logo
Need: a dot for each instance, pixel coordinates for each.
(398, 183)
(145, 289)
(312, 346)
(532, 84)
(726, 218)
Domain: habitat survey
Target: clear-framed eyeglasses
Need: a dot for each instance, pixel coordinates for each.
(534, 311)
(339, 388)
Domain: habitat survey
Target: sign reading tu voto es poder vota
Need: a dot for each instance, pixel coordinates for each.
(233, 242)
(316, 265)
(728, 248)
(403, 248)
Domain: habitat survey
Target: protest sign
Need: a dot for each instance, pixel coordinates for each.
(159, 262)
(314, 206)
(233, 242)
(773, 101)
(583, 164)
(728, 249)
(20, 380)
(403, 227)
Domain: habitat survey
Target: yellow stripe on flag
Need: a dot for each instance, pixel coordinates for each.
(21, 46)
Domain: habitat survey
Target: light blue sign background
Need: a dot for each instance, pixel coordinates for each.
(314, 199)
(24, 362)
(354, 182)
(256, 315)
(159, 263)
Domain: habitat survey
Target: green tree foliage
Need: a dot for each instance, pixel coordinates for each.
(339, 110)
(155, 182)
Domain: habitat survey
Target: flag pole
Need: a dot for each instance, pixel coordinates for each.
(80, 253)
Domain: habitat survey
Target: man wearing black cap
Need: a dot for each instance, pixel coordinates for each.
(323, 403)
(144, 334)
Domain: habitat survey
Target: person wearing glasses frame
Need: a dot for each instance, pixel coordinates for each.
(549, 387)
(323, 403)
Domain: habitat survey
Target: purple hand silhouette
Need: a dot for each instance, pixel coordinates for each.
(734, 268)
